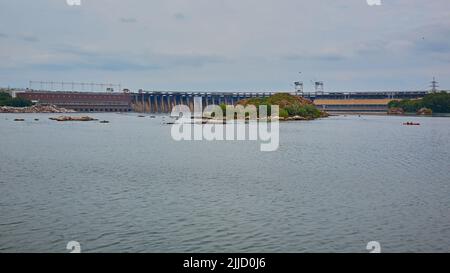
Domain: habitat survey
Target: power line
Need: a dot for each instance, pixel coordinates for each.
(73, 86)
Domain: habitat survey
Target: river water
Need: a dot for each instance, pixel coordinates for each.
(334, 185)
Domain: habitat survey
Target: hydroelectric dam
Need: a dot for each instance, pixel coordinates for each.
(358, 102)
(164, 101)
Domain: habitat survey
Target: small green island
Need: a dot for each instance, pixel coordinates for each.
(291, 107)
(434, 103)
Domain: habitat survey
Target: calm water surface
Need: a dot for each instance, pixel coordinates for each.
(334, 185)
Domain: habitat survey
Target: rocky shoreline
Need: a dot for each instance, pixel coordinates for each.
(401, 112)
(206, 120)
(35, 109)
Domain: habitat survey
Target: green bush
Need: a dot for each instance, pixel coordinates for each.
(7, 100)
(394, 104)
(4, 96)
(19, 102)
(307, 111)
(223, 106)
(438, 102)
(284, 113)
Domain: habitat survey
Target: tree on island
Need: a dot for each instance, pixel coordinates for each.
(290, 106)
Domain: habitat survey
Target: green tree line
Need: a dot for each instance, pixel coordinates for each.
(7, 100)
(438, 102)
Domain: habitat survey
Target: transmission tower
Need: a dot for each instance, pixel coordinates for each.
(434, 85)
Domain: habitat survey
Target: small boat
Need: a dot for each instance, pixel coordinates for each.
(104, 121)
(19, 119)
(411, 124)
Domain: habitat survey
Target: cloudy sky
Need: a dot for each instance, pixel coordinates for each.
(227, 44)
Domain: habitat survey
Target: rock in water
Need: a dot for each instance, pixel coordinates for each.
(396, 111)
(425, 112)
(69, 118)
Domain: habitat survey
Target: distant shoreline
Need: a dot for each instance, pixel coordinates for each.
(34, 109)
(386, 114)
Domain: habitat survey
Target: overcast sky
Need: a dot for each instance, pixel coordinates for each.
(227, 44)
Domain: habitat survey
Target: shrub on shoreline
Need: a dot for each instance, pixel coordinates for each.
(7, 100)
(436, 102)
